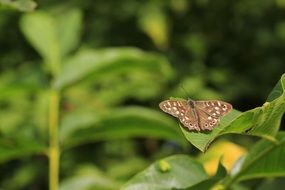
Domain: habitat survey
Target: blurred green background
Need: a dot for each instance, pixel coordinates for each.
(110, 63)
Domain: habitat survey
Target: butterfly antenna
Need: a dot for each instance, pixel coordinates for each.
(181, 86)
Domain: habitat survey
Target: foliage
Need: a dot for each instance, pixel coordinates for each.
(256, 164)
(80, 84)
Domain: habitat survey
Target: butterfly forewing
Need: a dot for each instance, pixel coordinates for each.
(175, 108)
(214, 108)
(181, 110)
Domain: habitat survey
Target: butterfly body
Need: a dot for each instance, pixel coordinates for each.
(197, 115)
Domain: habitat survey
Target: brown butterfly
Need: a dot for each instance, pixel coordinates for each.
(197, 115)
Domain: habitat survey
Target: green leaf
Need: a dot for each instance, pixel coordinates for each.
(111, 61)
(39, 29)
(17, 147)
(53, 36)
(262, 121)
(265, 159)
(221, 171)
(277, 91)
(183, 171)
(69, 30)
(125, 122)
(21, 5)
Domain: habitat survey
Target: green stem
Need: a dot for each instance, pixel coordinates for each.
(54, 151)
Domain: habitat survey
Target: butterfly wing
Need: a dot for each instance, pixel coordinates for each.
(206, 121)
(181, 110)
(214, 108)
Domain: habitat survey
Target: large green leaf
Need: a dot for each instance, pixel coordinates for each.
(17, 147)
(98, 63)
(124, 122)
(175, 172)
(265, 159)
(262, 121)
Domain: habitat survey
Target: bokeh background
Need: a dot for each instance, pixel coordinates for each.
(111, 63)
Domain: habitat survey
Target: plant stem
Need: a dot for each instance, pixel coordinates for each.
(54, 151)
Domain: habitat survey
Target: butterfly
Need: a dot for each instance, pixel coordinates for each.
(197, 115)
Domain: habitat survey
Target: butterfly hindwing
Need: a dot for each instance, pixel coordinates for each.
(214, 108)
(189, 120)
(206, 121)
